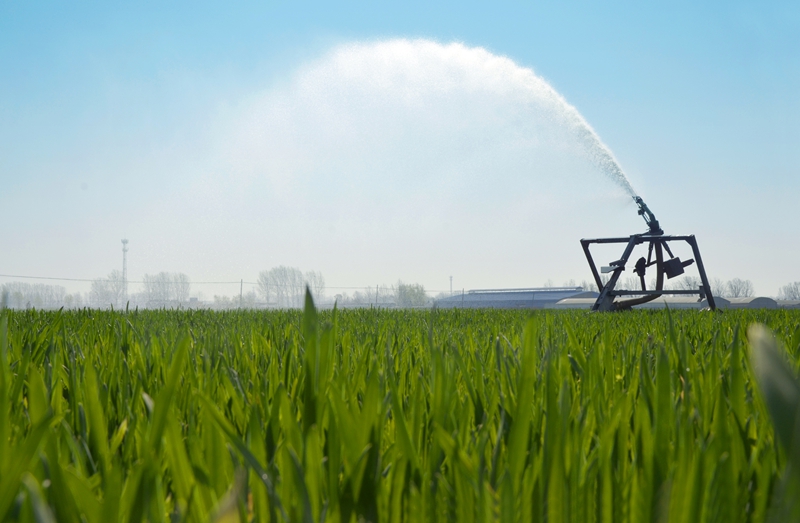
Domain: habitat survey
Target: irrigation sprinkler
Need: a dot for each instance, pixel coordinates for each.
(611, 299)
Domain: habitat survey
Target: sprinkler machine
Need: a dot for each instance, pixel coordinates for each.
(611, 299)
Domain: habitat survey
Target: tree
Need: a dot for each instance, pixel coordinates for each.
(166, 288)
(411, 295)
(181, 287)
(285, 284)
(224, 302)
(790, 291)
(384, 294)
(316, 283)
(265, 288)
(73, 301)
(592, 286)
(719, 287)
(41, 296)
(108, 291)
(687, 283)
(737, 288)
(631, 283)
(285, 287)
(156, 288)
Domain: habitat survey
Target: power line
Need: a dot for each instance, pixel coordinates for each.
(41, 277)
(52, 278)
(94, 279)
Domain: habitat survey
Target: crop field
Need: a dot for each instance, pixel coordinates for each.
(376, 415)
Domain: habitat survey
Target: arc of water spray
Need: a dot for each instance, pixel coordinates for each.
(406, 71)
(599, 153)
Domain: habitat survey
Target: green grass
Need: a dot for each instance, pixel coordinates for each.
(374, 415)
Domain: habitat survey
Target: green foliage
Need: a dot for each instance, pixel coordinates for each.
(411, 295)
(405, 415)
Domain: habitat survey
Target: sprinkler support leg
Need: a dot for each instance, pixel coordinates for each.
(702, 270)
(606, 300)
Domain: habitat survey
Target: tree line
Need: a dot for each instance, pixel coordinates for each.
(733, 288)
(402, 295)
(164, 289)
(284, 287)
(20, 295)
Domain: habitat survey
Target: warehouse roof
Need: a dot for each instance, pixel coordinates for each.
(676, 302)
(535, 297)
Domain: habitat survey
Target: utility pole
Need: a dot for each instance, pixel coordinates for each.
(124, 270)
(451, 285)
(241, 285)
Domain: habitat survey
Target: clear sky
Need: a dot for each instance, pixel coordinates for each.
(223, 140)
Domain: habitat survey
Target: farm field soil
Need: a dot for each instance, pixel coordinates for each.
(376, 415)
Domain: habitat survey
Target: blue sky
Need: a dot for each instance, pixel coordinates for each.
(107, 112)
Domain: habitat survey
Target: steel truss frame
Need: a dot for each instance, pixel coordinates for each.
(658, 243)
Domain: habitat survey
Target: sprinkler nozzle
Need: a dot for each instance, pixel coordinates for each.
(649, 217)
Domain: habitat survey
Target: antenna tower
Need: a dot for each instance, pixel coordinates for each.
(125, 270)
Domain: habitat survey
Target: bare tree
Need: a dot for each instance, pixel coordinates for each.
(359, 298)
(108, 291)
(156, 288)
(297, 286)
(790, 291)
(249, 300)
(719, 287)
(590, 285)
(687, 283)
(181, 287)
(265, 288)
(73, 301)
(166, 288)
(285, 284)
(385, 294)
(38, 295)
(280, 281)
(380, 295)
(738, 288)
(631, 283)
(316, 282)
(224, 302)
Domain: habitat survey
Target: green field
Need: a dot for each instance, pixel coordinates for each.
(375, 415)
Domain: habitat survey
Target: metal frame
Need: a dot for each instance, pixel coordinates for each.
(658, 243)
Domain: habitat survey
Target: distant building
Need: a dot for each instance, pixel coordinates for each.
(788, 304)
(752, 302)
(679, 302)
(530, 298)
(658, 303)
